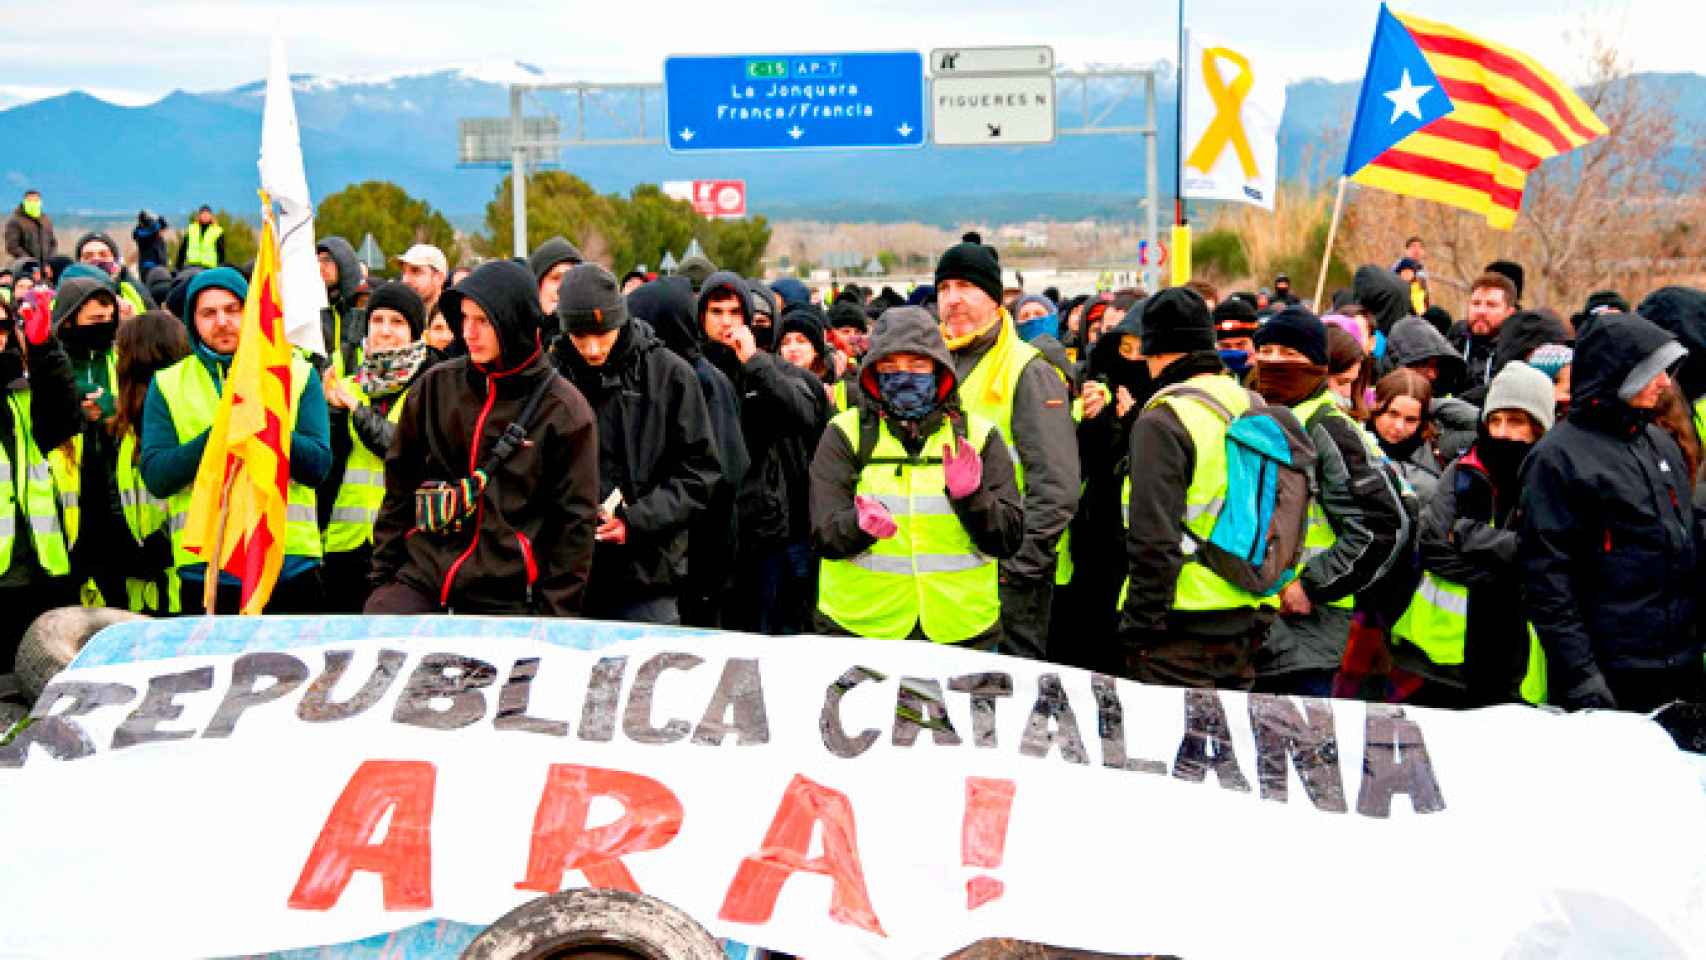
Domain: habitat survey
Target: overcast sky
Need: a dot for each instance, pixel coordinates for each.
(140, 52)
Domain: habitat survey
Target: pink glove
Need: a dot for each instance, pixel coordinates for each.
(874, 518)
(964, 472)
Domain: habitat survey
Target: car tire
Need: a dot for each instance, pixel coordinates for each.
(594, 925)
(54, 639)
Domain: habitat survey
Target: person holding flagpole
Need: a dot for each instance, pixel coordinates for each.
(180, 409)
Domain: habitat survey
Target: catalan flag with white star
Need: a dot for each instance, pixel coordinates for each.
(1446, 116)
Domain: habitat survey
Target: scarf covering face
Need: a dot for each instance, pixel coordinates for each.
(909, 396)
(1289, 384)
(385, 372)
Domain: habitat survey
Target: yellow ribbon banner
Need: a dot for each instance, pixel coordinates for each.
(1228, 125)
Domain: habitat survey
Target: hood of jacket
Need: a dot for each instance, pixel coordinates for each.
(550, 253)
(792, 291)
(1524, 331)
(349, 269)
(908, 330)
(1414, 340)
(1383, 294)
(1613, 346)
(71, 294)
(764, 301)
(807, 320)
(1106, 362)
(666, 305)
(725, 282)
(1681, 311)
(506, 292)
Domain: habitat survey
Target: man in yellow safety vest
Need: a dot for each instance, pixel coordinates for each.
(204, 242)
(1007, 382)
(181, 404)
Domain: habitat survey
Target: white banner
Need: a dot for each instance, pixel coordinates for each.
(232, 787)
(1233, 110)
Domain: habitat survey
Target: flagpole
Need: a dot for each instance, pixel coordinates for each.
(1332, 231)
(210, 586)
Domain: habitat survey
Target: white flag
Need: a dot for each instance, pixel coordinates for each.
(1232, 119)
(284, 179)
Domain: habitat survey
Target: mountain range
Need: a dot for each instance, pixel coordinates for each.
(92, 157)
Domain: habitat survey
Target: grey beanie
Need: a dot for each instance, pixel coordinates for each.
(1521, 387)
(549, 254)
(590, 301)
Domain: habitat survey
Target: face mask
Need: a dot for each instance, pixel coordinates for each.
(910, 396)
(1238, 361)
(32, 208)
(1502, 457)
(94, 338)
(1032, 329)
(1289, 384)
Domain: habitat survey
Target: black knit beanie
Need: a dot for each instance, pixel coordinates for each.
(396, 295)
(1233, 318)
(848, 315)
(1177, 320)
(1297, 328)
(974, 263)
(589, 300)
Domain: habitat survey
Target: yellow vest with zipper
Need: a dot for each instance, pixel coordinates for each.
(144, 514)
(929, 574)
(363, 489)
(193, 399)
(32, 478)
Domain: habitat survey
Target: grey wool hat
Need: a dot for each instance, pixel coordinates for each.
(589, 300)
(1522, 387)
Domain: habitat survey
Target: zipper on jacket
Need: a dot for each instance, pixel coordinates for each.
(480, 505)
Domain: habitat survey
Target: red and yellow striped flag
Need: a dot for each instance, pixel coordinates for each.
(241, 490)
(1509, 113)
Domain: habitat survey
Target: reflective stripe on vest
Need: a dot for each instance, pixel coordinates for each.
(929, 574)
(202, 246)
(144, 514)
(1318, 536)
(27, 477)
(362, 492)
(1437, 624)
(192, 398)
(67, 479)
(1199, 588)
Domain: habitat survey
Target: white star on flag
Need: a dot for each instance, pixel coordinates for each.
(1406, 98)
(686, 134)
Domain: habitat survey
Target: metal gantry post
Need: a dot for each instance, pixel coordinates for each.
(518, 170)
(1150, 175)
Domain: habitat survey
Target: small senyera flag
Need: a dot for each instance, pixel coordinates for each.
(1446, 116)
(241, 495)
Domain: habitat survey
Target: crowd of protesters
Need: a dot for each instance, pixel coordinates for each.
(1501, 509)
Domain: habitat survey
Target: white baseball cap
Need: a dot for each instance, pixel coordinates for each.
(426, 255)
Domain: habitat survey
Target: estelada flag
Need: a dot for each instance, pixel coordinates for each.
(1446, 116)
(241, 492)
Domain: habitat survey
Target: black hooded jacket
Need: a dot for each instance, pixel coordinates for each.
(655, 445)
(1681, 311)
(993, 515)
(775, 405)
(528, 548)
(1383, 294)
(1607, 538)
(340, 315)
(667, 304)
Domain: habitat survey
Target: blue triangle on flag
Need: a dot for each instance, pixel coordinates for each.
(1400, 94)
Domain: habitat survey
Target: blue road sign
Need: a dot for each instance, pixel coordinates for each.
(787, 101)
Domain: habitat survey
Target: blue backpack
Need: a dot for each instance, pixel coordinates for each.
(1270, 478)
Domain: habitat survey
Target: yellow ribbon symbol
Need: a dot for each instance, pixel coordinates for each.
(1228, 125)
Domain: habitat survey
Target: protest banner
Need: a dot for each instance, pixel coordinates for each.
(217, 787)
